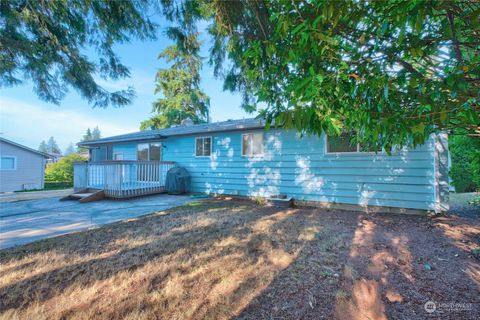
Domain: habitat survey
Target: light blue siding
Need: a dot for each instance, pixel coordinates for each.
(300, 168)
(129, 151)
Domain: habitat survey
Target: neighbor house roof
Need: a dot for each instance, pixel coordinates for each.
(46, 155)
(230, 125)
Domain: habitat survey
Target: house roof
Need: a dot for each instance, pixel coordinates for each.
(230, 125)
(46, 155)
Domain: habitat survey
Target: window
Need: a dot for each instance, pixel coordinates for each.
(8, 163)
(142, 152)
(118, 156)
(203, 147)
(98, 154)
(155, 151)
(149, 151)
(252, 144)
(341, 144)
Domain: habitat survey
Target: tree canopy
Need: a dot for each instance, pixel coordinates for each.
(179, 86)
(47, 42)
(392, 71)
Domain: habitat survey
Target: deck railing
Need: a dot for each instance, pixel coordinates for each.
(122, 179)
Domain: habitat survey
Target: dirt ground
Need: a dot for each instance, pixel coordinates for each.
(222, 259)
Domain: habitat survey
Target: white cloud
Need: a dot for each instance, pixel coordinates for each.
(29, 124)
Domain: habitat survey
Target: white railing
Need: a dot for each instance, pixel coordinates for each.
(122, 179)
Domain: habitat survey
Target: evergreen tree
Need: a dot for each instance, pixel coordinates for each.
(96, 134)
(52, 146)
(43, 147)
(179, 85)
(45, 41)
(88, 135)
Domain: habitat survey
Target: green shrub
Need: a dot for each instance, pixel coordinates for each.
(465, 170)
(54, 185)
(62, 171)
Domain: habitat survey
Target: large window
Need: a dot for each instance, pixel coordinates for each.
(149, 151)
(252, 144)
(203, 147)
(342, 144)
(8, 163)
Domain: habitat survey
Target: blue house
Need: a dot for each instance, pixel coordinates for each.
(240, 157)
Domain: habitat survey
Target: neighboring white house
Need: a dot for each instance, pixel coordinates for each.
(21, 168)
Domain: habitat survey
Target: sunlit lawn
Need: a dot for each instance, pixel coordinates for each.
(225, 258)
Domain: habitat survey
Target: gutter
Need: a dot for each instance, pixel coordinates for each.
(87, 144)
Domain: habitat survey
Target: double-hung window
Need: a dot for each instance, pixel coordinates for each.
(252, 144)
(203, 146)
(8, 163)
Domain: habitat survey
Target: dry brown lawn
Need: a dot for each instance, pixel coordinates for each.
(221, 259)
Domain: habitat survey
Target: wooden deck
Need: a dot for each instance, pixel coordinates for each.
(122, 179)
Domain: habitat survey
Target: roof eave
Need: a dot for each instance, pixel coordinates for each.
(100, 142)
(21, 146)
(94, 143)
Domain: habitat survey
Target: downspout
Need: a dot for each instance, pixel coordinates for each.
(441, 176)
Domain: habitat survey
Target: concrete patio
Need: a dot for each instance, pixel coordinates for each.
(25, 219)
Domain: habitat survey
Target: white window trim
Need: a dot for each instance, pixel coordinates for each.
(14, 162)
(118, 154)
(211, 146)
(260, 155)
(351, 153)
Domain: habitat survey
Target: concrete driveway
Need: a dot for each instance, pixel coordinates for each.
(23, 221)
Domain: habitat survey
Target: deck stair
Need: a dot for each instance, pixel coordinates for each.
(86, 195)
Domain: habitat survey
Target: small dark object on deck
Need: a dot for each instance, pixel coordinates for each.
(178, 181)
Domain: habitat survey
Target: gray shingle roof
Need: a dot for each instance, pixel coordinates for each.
(230, 125)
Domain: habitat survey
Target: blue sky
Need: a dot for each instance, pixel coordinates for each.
(26, 119)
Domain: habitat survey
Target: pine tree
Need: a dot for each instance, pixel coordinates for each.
(179, 86)
(88, 135)
(52, 146)
(96, 134)
(45, 41)
(43, 147)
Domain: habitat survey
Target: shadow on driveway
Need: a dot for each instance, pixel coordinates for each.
(25, 221)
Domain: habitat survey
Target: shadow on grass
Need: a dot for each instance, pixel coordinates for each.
(380, 272)
(222, 259)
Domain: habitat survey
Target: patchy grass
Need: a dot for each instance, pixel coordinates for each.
(220, 259)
